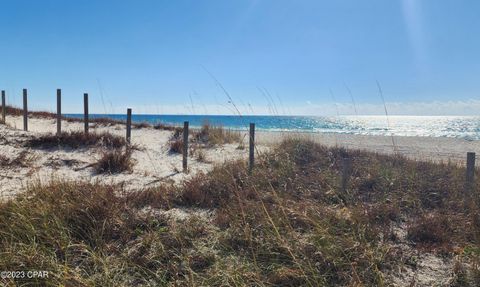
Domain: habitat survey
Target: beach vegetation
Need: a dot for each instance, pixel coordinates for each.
(289, 223)
(95, 121)
(114, 161)
(76, 139)
(175, 143)
(201, 156)
(142, 125)
(164, 127)
(211, 135)
(175, 146)
(22, 159)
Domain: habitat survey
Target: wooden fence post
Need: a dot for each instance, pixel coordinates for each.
(85, 111)
(59, 111)
(185, 146)
(251, 161)
(129, 125)
(4, 108)
(470, 176)
(346, 170)
(25, 110)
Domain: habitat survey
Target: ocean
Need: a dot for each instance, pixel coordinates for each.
(465, 127)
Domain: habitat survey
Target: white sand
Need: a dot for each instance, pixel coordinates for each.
(155, 165)
(153, 162)
(421, 148)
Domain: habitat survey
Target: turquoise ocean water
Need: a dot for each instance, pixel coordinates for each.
(466, 127)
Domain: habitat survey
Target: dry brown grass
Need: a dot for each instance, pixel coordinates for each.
(114, 161)
(215, 135)
(175, 142)
(97, 121)
(77, 139)
(4, 161)
(431, 229)
(23, 159)
(141, 125)
(13, 111)
(175, 146)
(201, 156)
(289, 223)
(164, 127)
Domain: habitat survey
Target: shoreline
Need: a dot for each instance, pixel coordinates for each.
(120, 119)
(437, 149)
(421, 126)
(155, 167)
(155, 164)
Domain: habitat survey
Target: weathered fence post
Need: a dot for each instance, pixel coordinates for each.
(59, 111)
(4, 108)
(346, 170)
(185, 145)
(129, 125)
(25, 110)
(251, 161)
(470, 178)
(85, 111)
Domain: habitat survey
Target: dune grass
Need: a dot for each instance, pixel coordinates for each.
(77, 139)
(142, 125)
(165, 127)
(116, 153)
(207, 136)
(23, 159)
(211, 135)
(114, 161)
(289, 223)
(97, 121)
(175, 143)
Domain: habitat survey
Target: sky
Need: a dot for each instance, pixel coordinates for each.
(310, 57)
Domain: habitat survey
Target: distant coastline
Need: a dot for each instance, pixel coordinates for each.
(461, 127)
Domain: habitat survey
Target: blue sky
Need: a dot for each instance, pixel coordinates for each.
(272, 56)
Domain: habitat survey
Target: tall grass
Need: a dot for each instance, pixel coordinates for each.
(380, 91)
(287, 224)
(206, 137)
(211, 135)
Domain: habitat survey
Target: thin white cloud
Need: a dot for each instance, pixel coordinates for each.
(434, 108)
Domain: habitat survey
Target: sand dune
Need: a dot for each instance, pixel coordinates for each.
(155, 165)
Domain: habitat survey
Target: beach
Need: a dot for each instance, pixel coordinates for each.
(240, 143)
(436, 149)
(155, 164)
(155, 167)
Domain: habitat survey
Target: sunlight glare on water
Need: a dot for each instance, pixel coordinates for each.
(466, 127)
